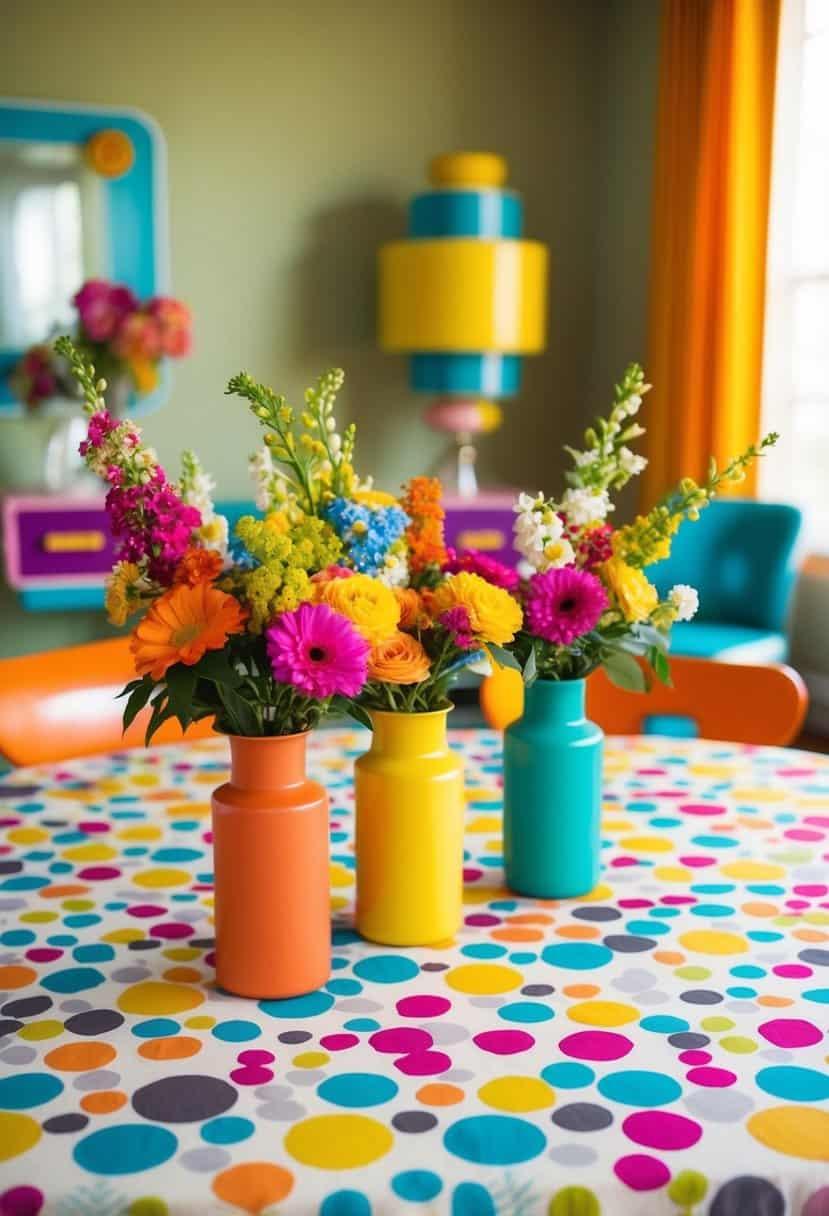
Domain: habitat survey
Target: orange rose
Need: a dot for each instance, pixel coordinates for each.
(198, 566)
(411, 607)
(400, 659)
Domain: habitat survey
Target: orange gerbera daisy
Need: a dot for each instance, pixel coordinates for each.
(183, 624)
(198, 565)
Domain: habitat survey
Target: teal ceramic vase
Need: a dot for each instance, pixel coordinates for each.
(552, 794)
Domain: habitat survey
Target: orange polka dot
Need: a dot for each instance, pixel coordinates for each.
(758, 908)
(79, 1057)
(672, 958)
(253, 1185)
(183, 975)
(161, 796)
(529, 918)
(775, 1002)
(179, 1047)
(104, 1102)
(581, 990)
(810, 935)
(518, 934)
(62, 890)
(14, 976)
(440, 1094)
(580, 933)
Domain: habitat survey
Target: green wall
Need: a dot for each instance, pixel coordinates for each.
(296, 133)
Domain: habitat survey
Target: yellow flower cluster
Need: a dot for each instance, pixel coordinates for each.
(370, 605)
(287, 552)
(631, 592)
(494, 616)
(648, 538)
(122, 596)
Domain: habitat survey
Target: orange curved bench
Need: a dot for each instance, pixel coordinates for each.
(62, 703)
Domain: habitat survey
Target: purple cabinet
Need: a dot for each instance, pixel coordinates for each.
(483, 523)
(53, 541)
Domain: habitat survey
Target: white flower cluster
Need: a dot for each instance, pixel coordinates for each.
(584, 506)
(539, 534)
(271, 488)
(395, 572)
(196, 489)
(631, 462)
(684, 600)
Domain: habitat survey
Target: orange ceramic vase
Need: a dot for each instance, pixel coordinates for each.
(270, 848)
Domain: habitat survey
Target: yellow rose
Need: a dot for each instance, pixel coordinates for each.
(369, 604)
(636, 597)
(494, 616)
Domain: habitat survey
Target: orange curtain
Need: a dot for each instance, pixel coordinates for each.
(717, 71)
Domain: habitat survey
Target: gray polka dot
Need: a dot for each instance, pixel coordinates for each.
(537, 990)
(75, 1006)
(273, 1093)
(18, 1055)
(184, 1099)
(444, 1034)
(582, 1117)
(294, 1036)
(94, 1021)
(573, 1154)
(686, 1040)
(146, 943)
(61, 1124)
(432, 966)
(777, 1054)
(748, 1196)
(635, 980)
(130, 975)
(651, 997)
(740, 1007)
(26, 1007)
(486, 1002)
(719, 1105)
(305, 1076)
(99, 1078)
(628, 943)
(281, 1112)
(457, 1075)
(9, 1026)
(701, 996)
(11, 903)
(205, 1160)
(358, 1004)
(414, 1121)
(596, 914)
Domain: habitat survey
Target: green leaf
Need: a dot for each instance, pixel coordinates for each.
(530, 672)
(623, 671)
(240, 712)
(138, 698)
(661, 667)
(215, 666)
(653, 636)
(159, 715)
(502, 658)
(181, 686)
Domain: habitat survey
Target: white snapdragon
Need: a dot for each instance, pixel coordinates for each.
(583, 459)
(199, 494)
(631, 463)
(262, 472)
(584, 506)
(539, 535)
(684, 600)
(395, 572)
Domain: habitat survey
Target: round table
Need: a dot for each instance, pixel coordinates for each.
(655, 1047)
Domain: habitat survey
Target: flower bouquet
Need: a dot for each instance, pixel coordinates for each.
(587, 603)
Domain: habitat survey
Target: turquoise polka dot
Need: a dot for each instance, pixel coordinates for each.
(741, 992)
(61, 939)
(526, 1011)
(714, 842)
(97, 953)
(20, 1091)
(357, 1089)
(177, 855)
(712, 911)
(647, 928)
(765, 888)
(25, 882)
(819, 995)
(568, 1076)
(73, 979)
(309, 1006)
(794, 1084)
(664, 821)
(82, 920)
(522, 958)
(663, 1023)
(764, 935)
(156, 1028)
(17, 937)
(344, 987)
(634, 1088)
(472, 1199)
(665, 913)
(418, 1186)
(484, 950)
(386, 969)
(746, 971)
(237, 1031)
(712, 888)
(494, 1140)
(576, 956)
(345, 1203)
(227, 1129)
(125, 1149)
(359, 1025)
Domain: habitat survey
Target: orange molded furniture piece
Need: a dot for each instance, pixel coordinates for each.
(763, 705)
(62, 703)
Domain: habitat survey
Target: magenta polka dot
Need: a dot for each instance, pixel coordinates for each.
(698, 863)
(504, 1042)
(482, 920)
(807, 834)
(678, 899)
(702, 808)
(635, 903)
(423, 1006)
(712, 1078)
(812, 890)
(791, 1032)
(338, 1042)
(255, 1056)
(172, 930)
(595, 1045)
(93, 826)
(401, 1039)
(43, 954)
(819, 821)
(251, 1075)
(423, 1063)
(695, 1057)
(642, 1173)
(661, 1129)
(21, 1201)
(143, 911)
(470, 875)
(793, 971)
(621, 862)
(99, 873)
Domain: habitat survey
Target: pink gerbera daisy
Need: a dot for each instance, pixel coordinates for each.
(564, 604)
(318, 651)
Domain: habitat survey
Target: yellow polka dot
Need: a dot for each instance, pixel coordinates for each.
(737, 1044)
(616, 825)
(494, 846)
(36, 1032)
(483, 979)
(38, 918)
(311, 1059)
(692, 973)
(109, 785)
(90, 852)
(338, 901)
(673, 874)
(797, 1131)
(484, 824)
(816, 918)
(601, 892)
(182, 954)
(757, 794)
(648, 844)
(161, 878)
(200, 1022)
(155, 997)
(724, 771)
(785, 922)
(474, 793)
(717, 1023)
(713, 941)
(603, 1013)
(338, 1142)
(191, 810)
(18, 1133)
(27, 835)
(340, 875)
(517, 1093)
(140, 831)
(145, 779)
(759, 870)
(121, 937)
(77, 905)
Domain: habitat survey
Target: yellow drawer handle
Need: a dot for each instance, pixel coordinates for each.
(74, 542)
(485, 540)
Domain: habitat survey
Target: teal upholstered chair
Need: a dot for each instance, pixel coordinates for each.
(739, 556)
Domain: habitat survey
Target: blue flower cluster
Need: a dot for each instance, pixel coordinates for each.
(367, 532)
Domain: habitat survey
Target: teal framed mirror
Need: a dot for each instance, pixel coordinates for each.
(83, 195)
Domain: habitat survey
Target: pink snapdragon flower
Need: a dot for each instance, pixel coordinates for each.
(475, 562)
(563, 604)
(318, 651)
(102, 308)
(456, 621)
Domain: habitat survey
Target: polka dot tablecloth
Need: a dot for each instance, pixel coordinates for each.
(658, 1046)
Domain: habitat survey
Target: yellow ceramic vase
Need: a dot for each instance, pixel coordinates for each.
(409, 803)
